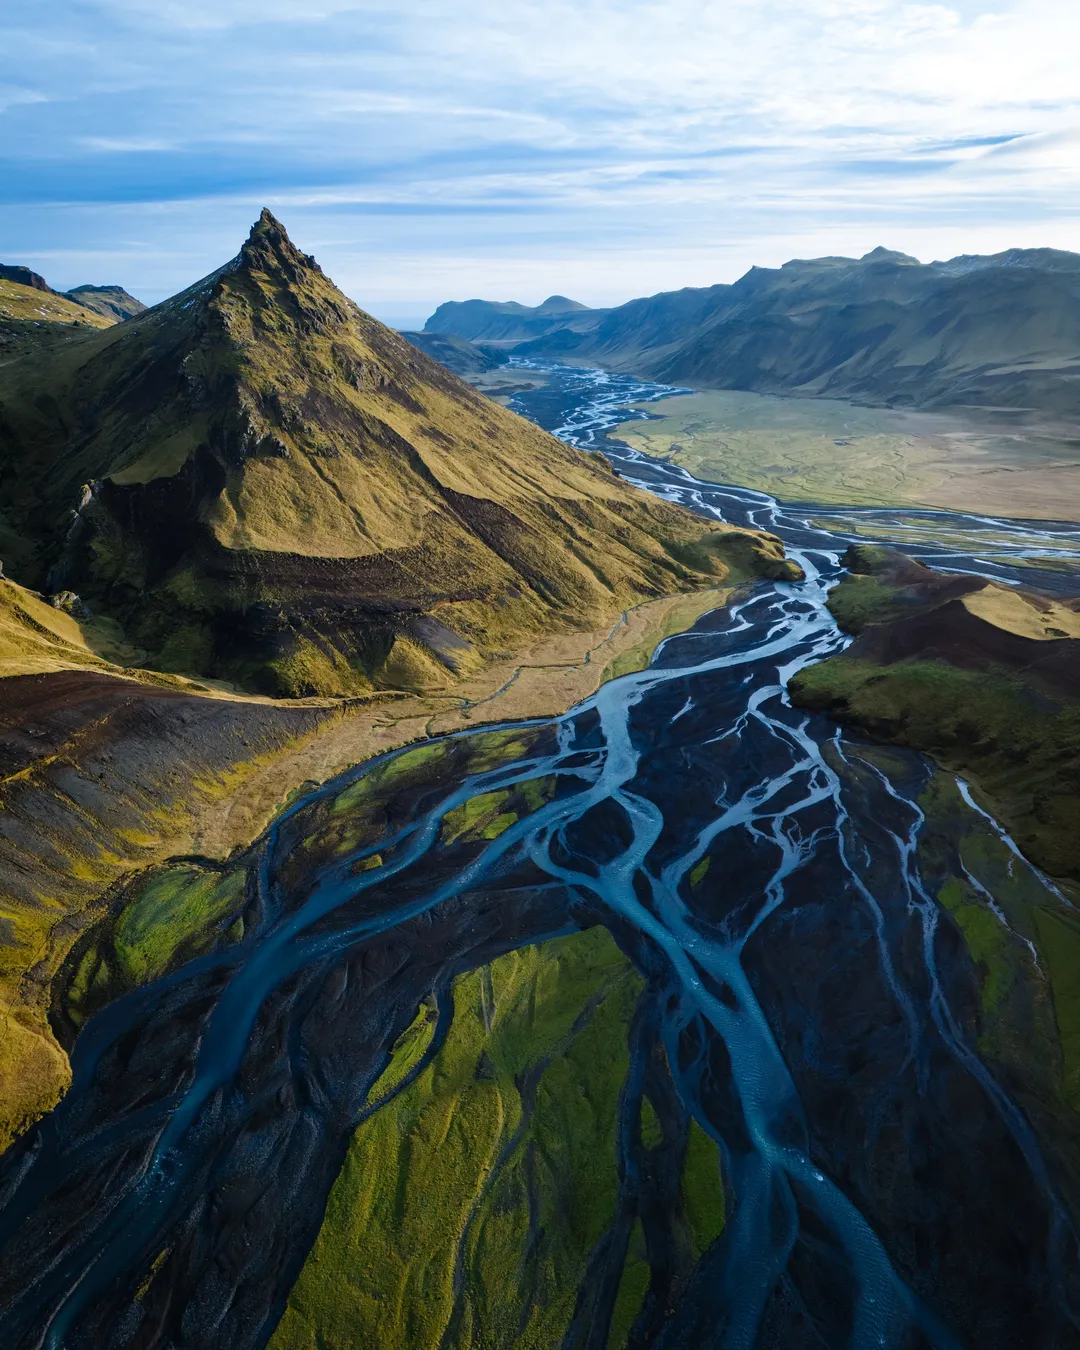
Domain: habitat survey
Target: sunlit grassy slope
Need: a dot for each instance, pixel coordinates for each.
(28, 303)
(259, 480)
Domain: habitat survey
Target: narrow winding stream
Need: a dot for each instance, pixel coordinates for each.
(816, 1007)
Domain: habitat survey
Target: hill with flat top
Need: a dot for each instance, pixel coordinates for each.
(111, 302)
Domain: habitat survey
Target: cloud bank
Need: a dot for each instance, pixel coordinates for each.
(435, 149)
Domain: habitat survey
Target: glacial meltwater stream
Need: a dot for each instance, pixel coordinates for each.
(817, 1009)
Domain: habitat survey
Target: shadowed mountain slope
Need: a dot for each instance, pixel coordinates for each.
(458, 354)
(504, 321)
(991, 331)
(261, 482)
(23, 276)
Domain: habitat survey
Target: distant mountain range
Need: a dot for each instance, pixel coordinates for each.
(989, 331)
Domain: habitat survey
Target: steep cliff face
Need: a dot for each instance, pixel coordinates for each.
(260, 481)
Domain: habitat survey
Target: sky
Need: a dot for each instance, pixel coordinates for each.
(429, 150)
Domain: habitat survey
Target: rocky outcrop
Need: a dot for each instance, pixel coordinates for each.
(22, 276)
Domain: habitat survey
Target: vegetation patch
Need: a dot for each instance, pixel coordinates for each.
(468, 1207)
(1059, 935)
(702, 1190)
(985, 936)
(162, 919)
(633, 1285)
(828, 451)
(480, 817)
(930, 672)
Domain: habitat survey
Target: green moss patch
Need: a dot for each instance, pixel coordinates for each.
(698, 872)
(633, 1285)
(1022, 747)
(480, 817)
(985, 936)
(447, 1176)
(1059, 940)
(163, 918)
(702, 1189)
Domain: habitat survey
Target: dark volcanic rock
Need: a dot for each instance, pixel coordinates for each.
(22, 276)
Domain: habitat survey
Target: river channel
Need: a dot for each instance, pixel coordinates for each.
(815, 1006)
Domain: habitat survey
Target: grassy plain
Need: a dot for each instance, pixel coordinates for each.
(827, 451)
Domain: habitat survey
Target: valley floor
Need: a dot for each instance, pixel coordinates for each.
(204, 775)
(823, 450)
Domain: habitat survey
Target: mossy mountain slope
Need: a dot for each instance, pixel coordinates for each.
(261, 482)
(28, 303)
(111, 302)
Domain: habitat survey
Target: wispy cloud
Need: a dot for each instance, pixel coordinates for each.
(429, 148)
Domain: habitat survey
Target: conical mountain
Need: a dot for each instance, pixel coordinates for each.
(261, 482)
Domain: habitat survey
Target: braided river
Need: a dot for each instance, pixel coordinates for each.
(816, 1007)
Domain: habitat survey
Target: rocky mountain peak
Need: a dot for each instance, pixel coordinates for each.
(559, 304)
(269, 249)
(890, 255)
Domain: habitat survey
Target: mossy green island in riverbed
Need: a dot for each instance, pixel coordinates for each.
(1025, 944)
(166, 915)
(470, 1205)
(487, 1177)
